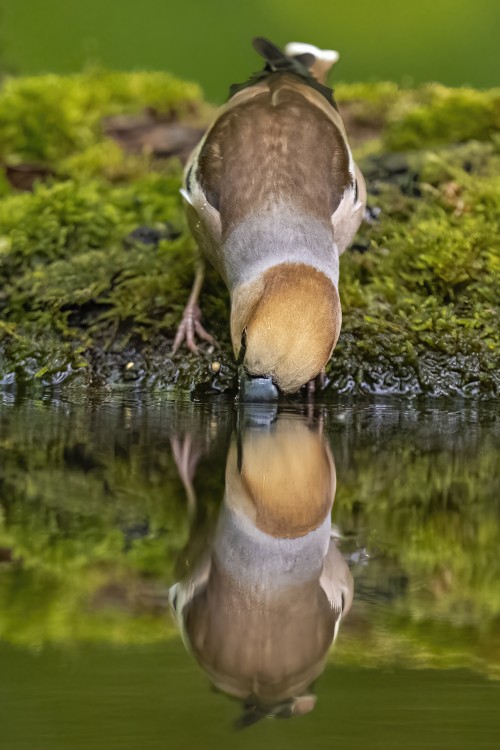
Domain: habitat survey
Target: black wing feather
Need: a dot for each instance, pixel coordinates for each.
(278, 62)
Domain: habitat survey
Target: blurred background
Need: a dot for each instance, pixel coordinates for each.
(454, 42)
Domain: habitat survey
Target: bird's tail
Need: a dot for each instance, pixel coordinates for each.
(303, 60)
(323, 60)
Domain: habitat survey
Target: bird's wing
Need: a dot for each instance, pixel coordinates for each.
(351, 195)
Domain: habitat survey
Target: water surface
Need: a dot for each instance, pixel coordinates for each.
(108, 502)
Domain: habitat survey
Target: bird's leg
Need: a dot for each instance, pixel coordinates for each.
(190, 325)
(186, 456)
(322, 379)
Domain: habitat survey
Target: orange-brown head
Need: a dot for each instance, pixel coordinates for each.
(289, 321)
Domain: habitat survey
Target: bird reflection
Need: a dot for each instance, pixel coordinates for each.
(262, 608)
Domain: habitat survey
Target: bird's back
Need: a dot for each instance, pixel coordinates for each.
(275, 147)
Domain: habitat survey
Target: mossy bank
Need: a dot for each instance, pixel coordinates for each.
(96, 261)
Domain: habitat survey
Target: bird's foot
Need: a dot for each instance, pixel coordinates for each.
(190, 327)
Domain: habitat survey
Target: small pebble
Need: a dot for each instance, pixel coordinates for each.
(215, 366)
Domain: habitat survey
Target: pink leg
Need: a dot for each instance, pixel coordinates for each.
(190, 325)
(186, 456)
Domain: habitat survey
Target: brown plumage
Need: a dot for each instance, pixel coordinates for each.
(273, 198)
(274, 147)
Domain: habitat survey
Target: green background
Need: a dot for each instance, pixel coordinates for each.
(155, 698)
(451, 41)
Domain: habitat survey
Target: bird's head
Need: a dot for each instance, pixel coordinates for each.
(285, 324)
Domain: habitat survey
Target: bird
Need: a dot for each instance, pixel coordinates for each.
(262, 605)
(273, 198)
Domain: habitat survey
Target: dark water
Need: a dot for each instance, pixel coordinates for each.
(126, 521)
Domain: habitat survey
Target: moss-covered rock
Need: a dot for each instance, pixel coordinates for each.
(96, 261)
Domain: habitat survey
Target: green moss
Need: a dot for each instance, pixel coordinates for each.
(105, 159)
(80, 298)
(442, 115)
(368, 103)
(47, 118)
(428, 285)
(63, 250)
(429, 116)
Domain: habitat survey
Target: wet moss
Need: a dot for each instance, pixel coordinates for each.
(96, 261)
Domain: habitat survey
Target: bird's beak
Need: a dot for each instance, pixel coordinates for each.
(256, 389)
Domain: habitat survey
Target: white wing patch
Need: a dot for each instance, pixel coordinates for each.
(337, 583)
(300, 48)
(349, 213)
(186, 195)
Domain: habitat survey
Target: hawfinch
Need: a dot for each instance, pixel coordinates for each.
(273, 198)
